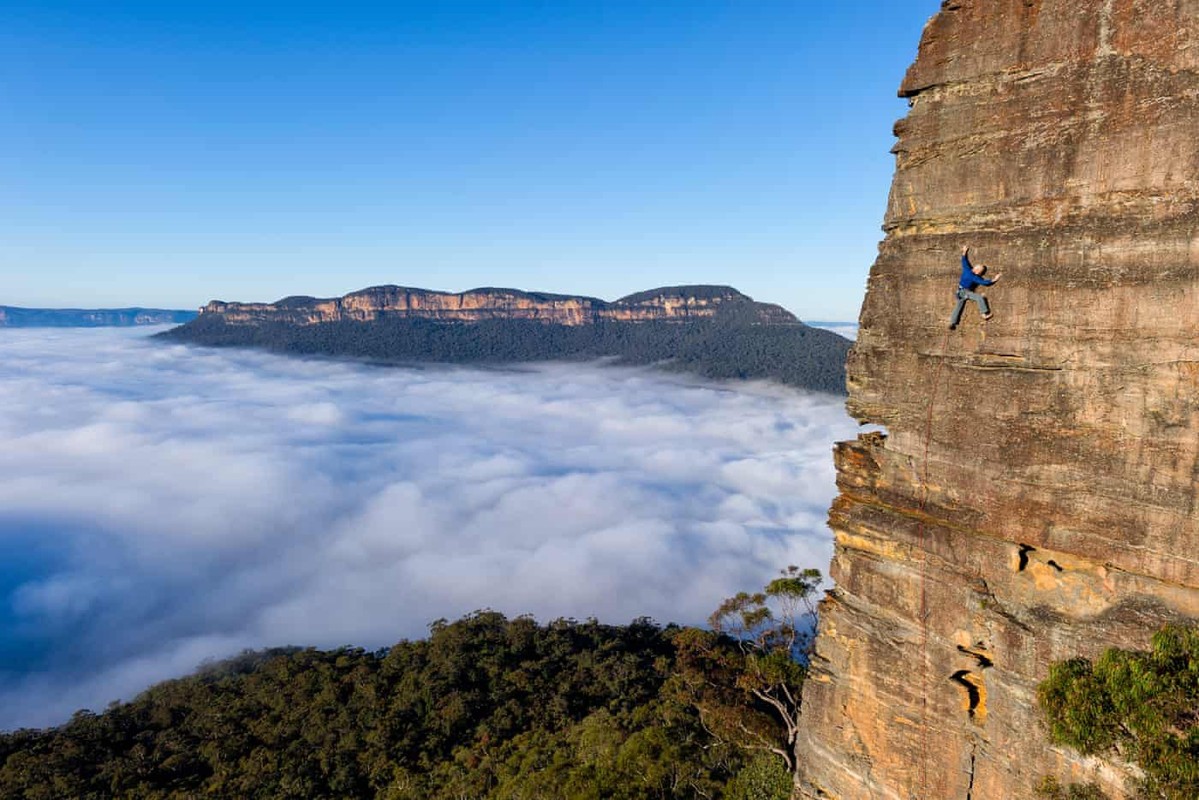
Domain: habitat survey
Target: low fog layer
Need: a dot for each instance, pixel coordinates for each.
(847, 329)
(162, 505)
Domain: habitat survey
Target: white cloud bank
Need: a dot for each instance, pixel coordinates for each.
(847, 329)
(162, 505)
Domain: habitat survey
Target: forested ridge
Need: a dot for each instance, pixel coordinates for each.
(723, 348)
(508, 709)
(485, 707)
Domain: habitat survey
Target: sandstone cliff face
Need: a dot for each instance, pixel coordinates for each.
(680, 303)
(1034, 497)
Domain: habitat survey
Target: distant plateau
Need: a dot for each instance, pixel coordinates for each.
(713, 331)
(14, 317)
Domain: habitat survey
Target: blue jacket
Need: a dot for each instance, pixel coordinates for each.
(969, 280)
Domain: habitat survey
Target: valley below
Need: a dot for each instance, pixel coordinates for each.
(188, 503)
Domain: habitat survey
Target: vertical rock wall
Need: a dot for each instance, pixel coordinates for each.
(1034, 497)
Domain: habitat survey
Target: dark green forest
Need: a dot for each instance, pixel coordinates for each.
(485, 707)
(509, 709)
(724, 348)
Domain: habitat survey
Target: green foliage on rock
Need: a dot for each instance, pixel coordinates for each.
(1140, 706)
(1051, 789)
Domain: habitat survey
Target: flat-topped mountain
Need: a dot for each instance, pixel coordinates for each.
(672, 303)
(714, 331)
(15, 317)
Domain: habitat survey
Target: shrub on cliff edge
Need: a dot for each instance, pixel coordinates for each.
(1050, 789)
(1142, 706)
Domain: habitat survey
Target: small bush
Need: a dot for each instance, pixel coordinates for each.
(1050, 789)
(1140, 706)
(763, 778)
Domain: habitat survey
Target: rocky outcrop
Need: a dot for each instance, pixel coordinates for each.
(676, 303)
(1033, 496)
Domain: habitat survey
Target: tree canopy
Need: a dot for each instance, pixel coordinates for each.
(485, 707)
(1139, 706)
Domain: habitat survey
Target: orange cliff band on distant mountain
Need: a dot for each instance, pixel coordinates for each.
(676, 303)
(1034, 498)
(712, 331)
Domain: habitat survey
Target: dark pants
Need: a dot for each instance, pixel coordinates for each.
(963, 296)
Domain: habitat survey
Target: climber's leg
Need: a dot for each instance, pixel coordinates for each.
(983, 306)
(957, 311)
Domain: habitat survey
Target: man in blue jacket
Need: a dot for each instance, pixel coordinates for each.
(972, 278)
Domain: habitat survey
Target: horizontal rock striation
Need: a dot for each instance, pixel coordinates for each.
(677, 303)
(1034, 495)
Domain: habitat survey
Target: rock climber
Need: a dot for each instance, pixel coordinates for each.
(972, 278)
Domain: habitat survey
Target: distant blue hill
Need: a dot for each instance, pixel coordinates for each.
(13, 317)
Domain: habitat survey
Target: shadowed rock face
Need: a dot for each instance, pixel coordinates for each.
(1034, 498)
(676, 303)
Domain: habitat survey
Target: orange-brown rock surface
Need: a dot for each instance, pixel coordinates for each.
(679, 303)
(1034, 495)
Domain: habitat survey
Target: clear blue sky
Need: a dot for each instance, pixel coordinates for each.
(168, 153)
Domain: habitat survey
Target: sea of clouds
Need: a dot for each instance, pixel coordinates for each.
(847, 329)
(161, 505)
